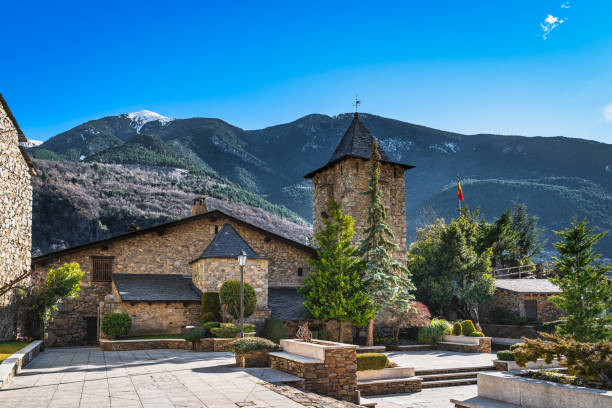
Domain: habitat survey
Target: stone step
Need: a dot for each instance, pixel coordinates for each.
(449, 383)
(411, 347)
(451, 376)
(455, 370)
(481, 402)
(371, 349)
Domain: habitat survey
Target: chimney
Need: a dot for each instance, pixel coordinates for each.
(199, 206)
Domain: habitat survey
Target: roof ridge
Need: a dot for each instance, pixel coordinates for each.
(228, 243)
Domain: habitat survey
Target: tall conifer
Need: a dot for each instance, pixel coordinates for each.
(388, 281)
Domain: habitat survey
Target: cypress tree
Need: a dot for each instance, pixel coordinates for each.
(335, 290)
(388, 282)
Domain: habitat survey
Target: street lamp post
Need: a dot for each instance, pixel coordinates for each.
(242, 257)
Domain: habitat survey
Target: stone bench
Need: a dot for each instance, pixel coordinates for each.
(481, 402)
(465, 344)
(371, 349)
(390, 386)
(150, 344)
(13, 364)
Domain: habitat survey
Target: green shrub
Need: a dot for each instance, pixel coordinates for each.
(372, 361)
(116, 325)
(209, 325)
(230, 298)
(443, 325)
(515, 346)
(195, 335)
(433, 333)
(274, 329)
(505, 355)
(225, 332)
(467, 327)
(477, 334)
(457, 329)
(248, 344)
(210, 311)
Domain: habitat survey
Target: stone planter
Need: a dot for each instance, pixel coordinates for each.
(529, 392)
(253, 359)
(461, 339)
(465, 344)
(386, 373)
(502, 365)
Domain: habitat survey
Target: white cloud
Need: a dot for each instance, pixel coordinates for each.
(607, 112)
(566, 5)
(550, 23)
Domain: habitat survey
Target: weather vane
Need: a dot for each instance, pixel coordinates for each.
(356, 103)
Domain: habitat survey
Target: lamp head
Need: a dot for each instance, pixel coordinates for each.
(242, 257)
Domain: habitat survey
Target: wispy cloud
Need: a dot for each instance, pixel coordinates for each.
(566, 5)
(550, 23)
(607, 113)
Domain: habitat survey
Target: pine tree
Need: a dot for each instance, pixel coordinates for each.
(335, 290)
(388, 281)
(586, 293)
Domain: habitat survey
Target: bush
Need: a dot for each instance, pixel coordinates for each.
(225, 332)
(457, 329)
(116, 325)
(515, 346)
(274, 329)
(209, 325)
(477, 334)
(505, 355)
(467, 327)
(249, 344)
(230, 298)
(443, 325)
(195, 335)
(372, 361)
(210, 311)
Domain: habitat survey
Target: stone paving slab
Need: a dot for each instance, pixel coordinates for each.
(440, 359)
(89, 377)
(428, 398)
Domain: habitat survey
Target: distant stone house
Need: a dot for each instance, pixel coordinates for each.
(15, 217)
(525, 298)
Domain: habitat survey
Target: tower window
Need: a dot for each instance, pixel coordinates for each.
(395, 172)
(216, 229)
(357, 166)
(102, 268)
(300, 271)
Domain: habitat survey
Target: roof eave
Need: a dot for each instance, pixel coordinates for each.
(348, 156)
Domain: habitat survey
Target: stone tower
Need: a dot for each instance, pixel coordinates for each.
(346, 176)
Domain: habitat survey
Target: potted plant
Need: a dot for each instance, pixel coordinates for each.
(251, 351)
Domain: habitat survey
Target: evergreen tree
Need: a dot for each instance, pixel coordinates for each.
(586, 293)
(529, 235)
(388, 281)
(335, 290)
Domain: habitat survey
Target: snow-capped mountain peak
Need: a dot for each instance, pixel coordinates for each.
(30, 143)
(145, 116)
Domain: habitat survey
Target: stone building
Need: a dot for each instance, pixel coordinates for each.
(522, 298)
(196, 246)
(346, 176)
(15, 217)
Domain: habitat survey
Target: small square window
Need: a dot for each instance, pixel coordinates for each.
(216, 229)
(300, 271)
(102, 268)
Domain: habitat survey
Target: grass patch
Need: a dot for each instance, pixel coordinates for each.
(8, 348)
(155, 336)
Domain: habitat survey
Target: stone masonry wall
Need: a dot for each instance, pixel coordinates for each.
(210, 273)
(346, 180)
(15, 222)
(161, 253)
(515, 302)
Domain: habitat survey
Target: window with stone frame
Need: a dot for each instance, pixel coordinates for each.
(102, 268)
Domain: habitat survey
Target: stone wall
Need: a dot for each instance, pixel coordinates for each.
(515, 302)
(210, 273)
(15, 222)
(346, 180)
(161, 252)
(391, 386)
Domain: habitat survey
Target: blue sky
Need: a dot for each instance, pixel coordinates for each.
(515, 67)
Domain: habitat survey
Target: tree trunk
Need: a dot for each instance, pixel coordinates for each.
(340, 332)
(370, 338)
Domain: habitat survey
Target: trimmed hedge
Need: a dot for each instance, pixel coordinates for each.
(505, 355)
(515, 346)
(467, 327)
(195, 335)
(209, 325)
(249, 344)
(230, 298)
(225, 332)
(372, 361)
(274, 329)
(477, 334)
(116, 325)
(457, 329)
(210, 311)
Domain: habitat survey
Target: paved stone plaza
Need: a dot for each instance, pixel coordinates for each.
(428, 398)
(88, 377)
(440, 359)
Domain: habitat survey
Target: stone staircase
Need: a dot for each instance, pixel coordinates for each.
(449, 377)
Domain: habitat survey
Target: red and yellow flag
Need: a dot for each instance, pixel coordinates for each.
(459, 192)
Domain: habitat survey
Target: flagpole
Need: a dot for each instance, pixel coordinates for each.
(458, 200)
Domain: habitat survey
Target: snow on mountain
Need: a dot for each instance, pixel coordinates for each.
(145, 116)
(30, 143)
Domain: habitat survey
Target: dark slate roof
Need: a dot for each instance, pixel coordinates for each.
(228, 244)
(134, 287)
(528, 286)
(287, 304)
(357, 142)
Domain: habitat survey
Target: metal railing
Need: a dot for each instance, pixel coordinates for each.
(522, 271)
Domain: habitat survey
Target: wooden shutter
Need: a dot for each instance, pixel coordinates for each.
(102, 268)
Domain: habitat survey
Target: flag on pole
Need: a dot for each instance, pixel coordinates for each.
(459, 192)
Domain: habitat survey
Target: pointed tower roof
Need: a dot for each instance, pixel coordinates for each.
(356, 142)
(228, 244)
